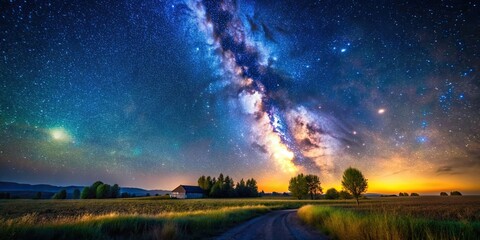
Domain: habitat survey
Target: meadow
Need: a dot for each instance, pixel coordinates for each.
(157, 218)
(399, 218)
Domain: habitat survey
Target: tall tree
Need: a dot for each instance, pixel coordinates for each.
(115, 191)
(313, 185)
(298, 186)
(252, 189)
(354, 182)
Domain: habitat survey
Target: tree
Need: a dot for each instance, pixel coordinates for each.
(405, 194)
(103, 191)
(38, 195)
(60, 195)
(414, 194)
(241, 188)
(354, 182)
(313, 185)
(443, 194)
(85, 193)
(93, 189)
(114, 191)
(332, 193)
(216, 190)
(400, 194)
(228, 187)
(76, 194)
(298, 186)
(252, 189)
(455, 193)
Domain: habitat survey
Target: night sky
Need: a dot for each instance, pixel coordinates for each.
(154, 94)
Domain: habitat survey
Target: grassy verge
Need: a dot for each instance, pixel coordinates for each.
(350, 224)
(172, 225)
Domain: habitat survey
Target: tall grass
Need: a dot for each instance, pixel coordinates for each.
(172, 225)
(350, 224)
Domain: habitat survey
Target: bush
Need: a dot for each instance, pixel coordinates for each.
(414, 195)
(332, 193)
(455, 193)
(443, 194)
(344, 195)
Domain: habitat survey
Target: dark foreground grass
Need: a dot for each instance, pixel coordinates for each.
(343, 223)
(173, 225)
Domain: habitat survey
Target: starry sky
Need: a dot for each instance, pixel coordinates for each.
(156, 93)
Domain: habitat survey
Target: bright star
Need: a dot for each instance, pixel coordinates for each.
(381, 111)
(60, 134)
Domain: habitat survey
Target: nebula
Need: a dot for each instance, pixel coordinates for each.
(292, 135)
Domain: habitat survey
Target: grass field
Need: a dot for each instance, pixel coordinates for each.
(164, 218)
(399, 218)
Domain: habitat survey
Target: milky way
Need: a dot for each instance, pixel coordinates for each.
(292, 135)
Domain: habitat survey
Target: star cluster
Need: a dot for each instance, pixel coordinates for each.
(156, 93)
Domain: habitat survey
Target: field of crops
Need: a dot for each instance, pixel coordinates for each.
(124, 218)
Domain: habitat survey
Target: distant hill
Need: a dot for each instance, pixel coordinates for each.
(23, 190)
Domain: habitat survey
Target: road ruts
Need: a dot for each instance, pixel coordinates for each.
(277, 225)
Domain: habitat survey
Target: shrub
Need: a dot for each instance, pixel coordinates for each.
(332, 193)
(443, 194)
(455, 193)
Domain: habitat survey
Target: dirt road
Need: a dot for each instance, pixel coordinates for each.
(283, 224)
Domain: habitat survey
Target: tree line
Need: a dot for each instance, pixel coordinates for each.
(100, 190)
(354, 184)
(224, 187)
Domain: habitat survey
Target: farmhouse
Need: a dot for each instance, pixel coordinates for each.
(185, 191)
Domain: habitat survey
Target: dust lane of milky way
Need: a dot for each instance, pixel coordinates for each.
(292, 135)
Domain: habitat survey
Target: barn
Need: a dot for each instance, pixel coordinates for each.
(185, 191)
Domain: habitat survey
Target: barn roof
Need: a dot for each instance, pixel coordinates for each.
(189, 189)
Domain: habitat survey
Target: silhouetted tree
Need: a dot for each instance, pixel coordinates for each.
(298, 186)
(114, 191)
(405, 194)
(85, 193)
(60, 195)
(76, 194)
(332, 193)
(38, 195)
(93, 189)
(313, 185)
(241, 188)
(354, 182)
(216, 190)
(414, 194)
(103, 191)
(443, 194)
(400, 194)
(252, 188)
(455, 193)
